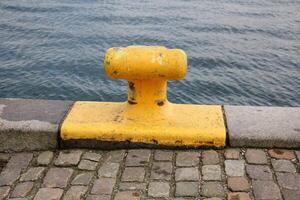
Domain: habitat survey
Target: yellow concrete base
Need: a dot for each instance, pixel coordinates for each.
(170, 124)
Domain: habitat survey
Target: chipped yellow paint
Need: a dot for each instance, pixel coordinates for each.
(147, 116)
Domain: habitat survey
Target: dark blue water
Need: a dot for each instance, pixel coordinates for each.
(243, 52)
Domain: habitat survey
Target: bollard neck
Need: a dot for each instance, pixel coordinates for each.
(147, 92)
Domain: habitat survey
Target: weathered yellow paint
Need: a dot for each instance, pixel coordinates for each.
(147, 116)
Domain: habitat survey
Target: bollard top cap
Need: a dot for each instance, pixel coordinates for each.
(145, 62)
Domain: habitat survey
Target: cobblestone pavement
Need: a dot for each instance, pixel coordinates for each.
(234, 174)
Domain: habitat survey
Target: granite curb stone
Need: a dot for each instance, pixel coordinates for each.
(30, 124)
(34, 125)
(258, 126)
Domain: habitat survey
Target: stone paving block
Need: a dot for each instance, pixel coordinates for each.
(161, 170)
(9, 175)
(68, 158)
(211, 172)
(289, 181)
(256, 156)
(235, 167)
(19, 160)
(30, 124)
(187, 189)
(132, 186)
(233, 154)
(4, 191)
(257, 126)
(163, 155)
(45, 158)
(98, 197)
(87, 165)
(49, 194)
(92, 156)
(238, 196)
(186, 159)
(159, 189)
(210, 157)
(212, 189)
(75, 193)
(238, 184)
(109, 170)
(283, 166)
(281, 154)
(4, 157)
(137, 181)
(13, 168)
(103, 186)
(291, 194)
(115, 156)
(266, 190)
(187, 174)
(133, 174)
(22, 189)
(259, 172)
(213, 198)
(298, 155)
(83, 178)
(33, 174)
(137, 157)
(57, 177)
(128, 195)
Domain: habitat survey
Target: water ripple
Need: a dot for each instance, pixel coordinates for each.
(240, 52)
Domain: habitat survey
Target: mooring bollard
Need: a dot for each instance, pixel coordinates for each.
(147, 116)
(147, 70)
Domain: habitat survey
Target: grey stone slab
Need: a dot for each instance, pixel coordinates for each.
(30, 124)
(212, 189)
(132, 186)
(87, 165)
(187, 174)
(22, 189)
(4, 191)
(251, 126)
(15, 165)
(159, 189)
(290, 181)
(75, 192)
(45, 158)
(210, 157)
(49, 193)
(136, 174)
(103, 186)
(83, 178)
(186, 189)
(234, 167)
(283, 166)
(259, 172)
(109, 170)
(57, 177)
(211, 172)
(238, 184)
(264, 190)
(161, 171)
(132, 195)
(33, 174)
(68, 158)
(291, 194)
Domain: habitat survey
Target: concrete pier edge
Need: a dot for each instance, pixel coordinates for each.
(27, 125)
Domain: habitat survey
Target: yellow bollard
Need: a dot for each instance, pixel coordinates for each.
(147, 116)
